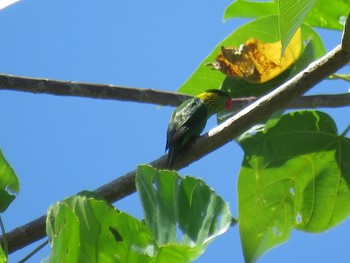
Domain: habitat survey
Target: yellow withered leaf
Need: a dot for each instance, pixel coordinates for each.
(256, 61)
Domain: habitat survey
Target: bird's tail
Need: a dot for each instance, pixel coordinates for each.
(171, 157)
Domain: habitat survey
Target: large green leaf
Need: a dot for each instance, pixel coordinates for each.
(9, 184)
(3, 257)
(84, 228)
(324, 14)
(253, 9)
(290, 16)
(184, 214)
(63, 232)
(329, 14)
(295, 174)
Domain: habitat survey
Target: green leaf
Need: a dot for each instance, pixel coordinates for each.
(329, 14)
(314, 48)
(295, 175)
(253, 9)
(291, 15)
(84, 228)
(9, 184)
(184, 214)
(63, 232)
(3, 257)
(324, 13)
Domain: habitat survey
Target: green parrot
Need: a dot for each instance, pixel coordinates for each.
(189, 119)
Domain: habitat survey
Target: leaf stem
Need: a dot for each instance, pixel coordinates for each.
(336, 76)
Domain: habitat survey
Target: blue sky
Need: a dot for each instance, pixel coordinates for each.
(59, 146)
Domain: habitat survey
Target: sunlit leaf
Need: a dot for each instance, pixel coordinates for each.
(255, 9)
(184, 214)
(329, 14)
(323, 14)
(84, 228)
(64, 234)
(291, 15)
(295, 174)
(9, 184)
(319, 13)
(3, 257)
(249, 8)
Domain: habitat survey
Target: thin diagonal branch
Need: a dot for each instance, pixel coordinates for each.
(217, 137)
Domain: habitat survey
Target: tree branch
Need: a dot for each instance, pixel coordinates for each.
(313, 101)
(321, 101)
(88, 90)
(215, 138)
(112, 92)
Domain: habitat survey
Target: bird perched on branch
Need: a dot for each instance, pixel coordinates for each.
(189, 119)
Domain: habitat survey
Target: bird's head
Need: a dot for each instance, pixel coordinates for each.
(216, 100)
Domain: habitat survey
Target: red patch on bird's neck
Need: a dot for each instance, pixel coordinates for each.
(228, 104)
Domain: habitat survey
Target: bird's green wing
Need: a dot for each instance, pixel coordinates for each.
(187, 121)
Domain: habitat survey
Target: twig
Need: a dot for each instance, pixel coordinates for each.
(34, 251)
(217, 137)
